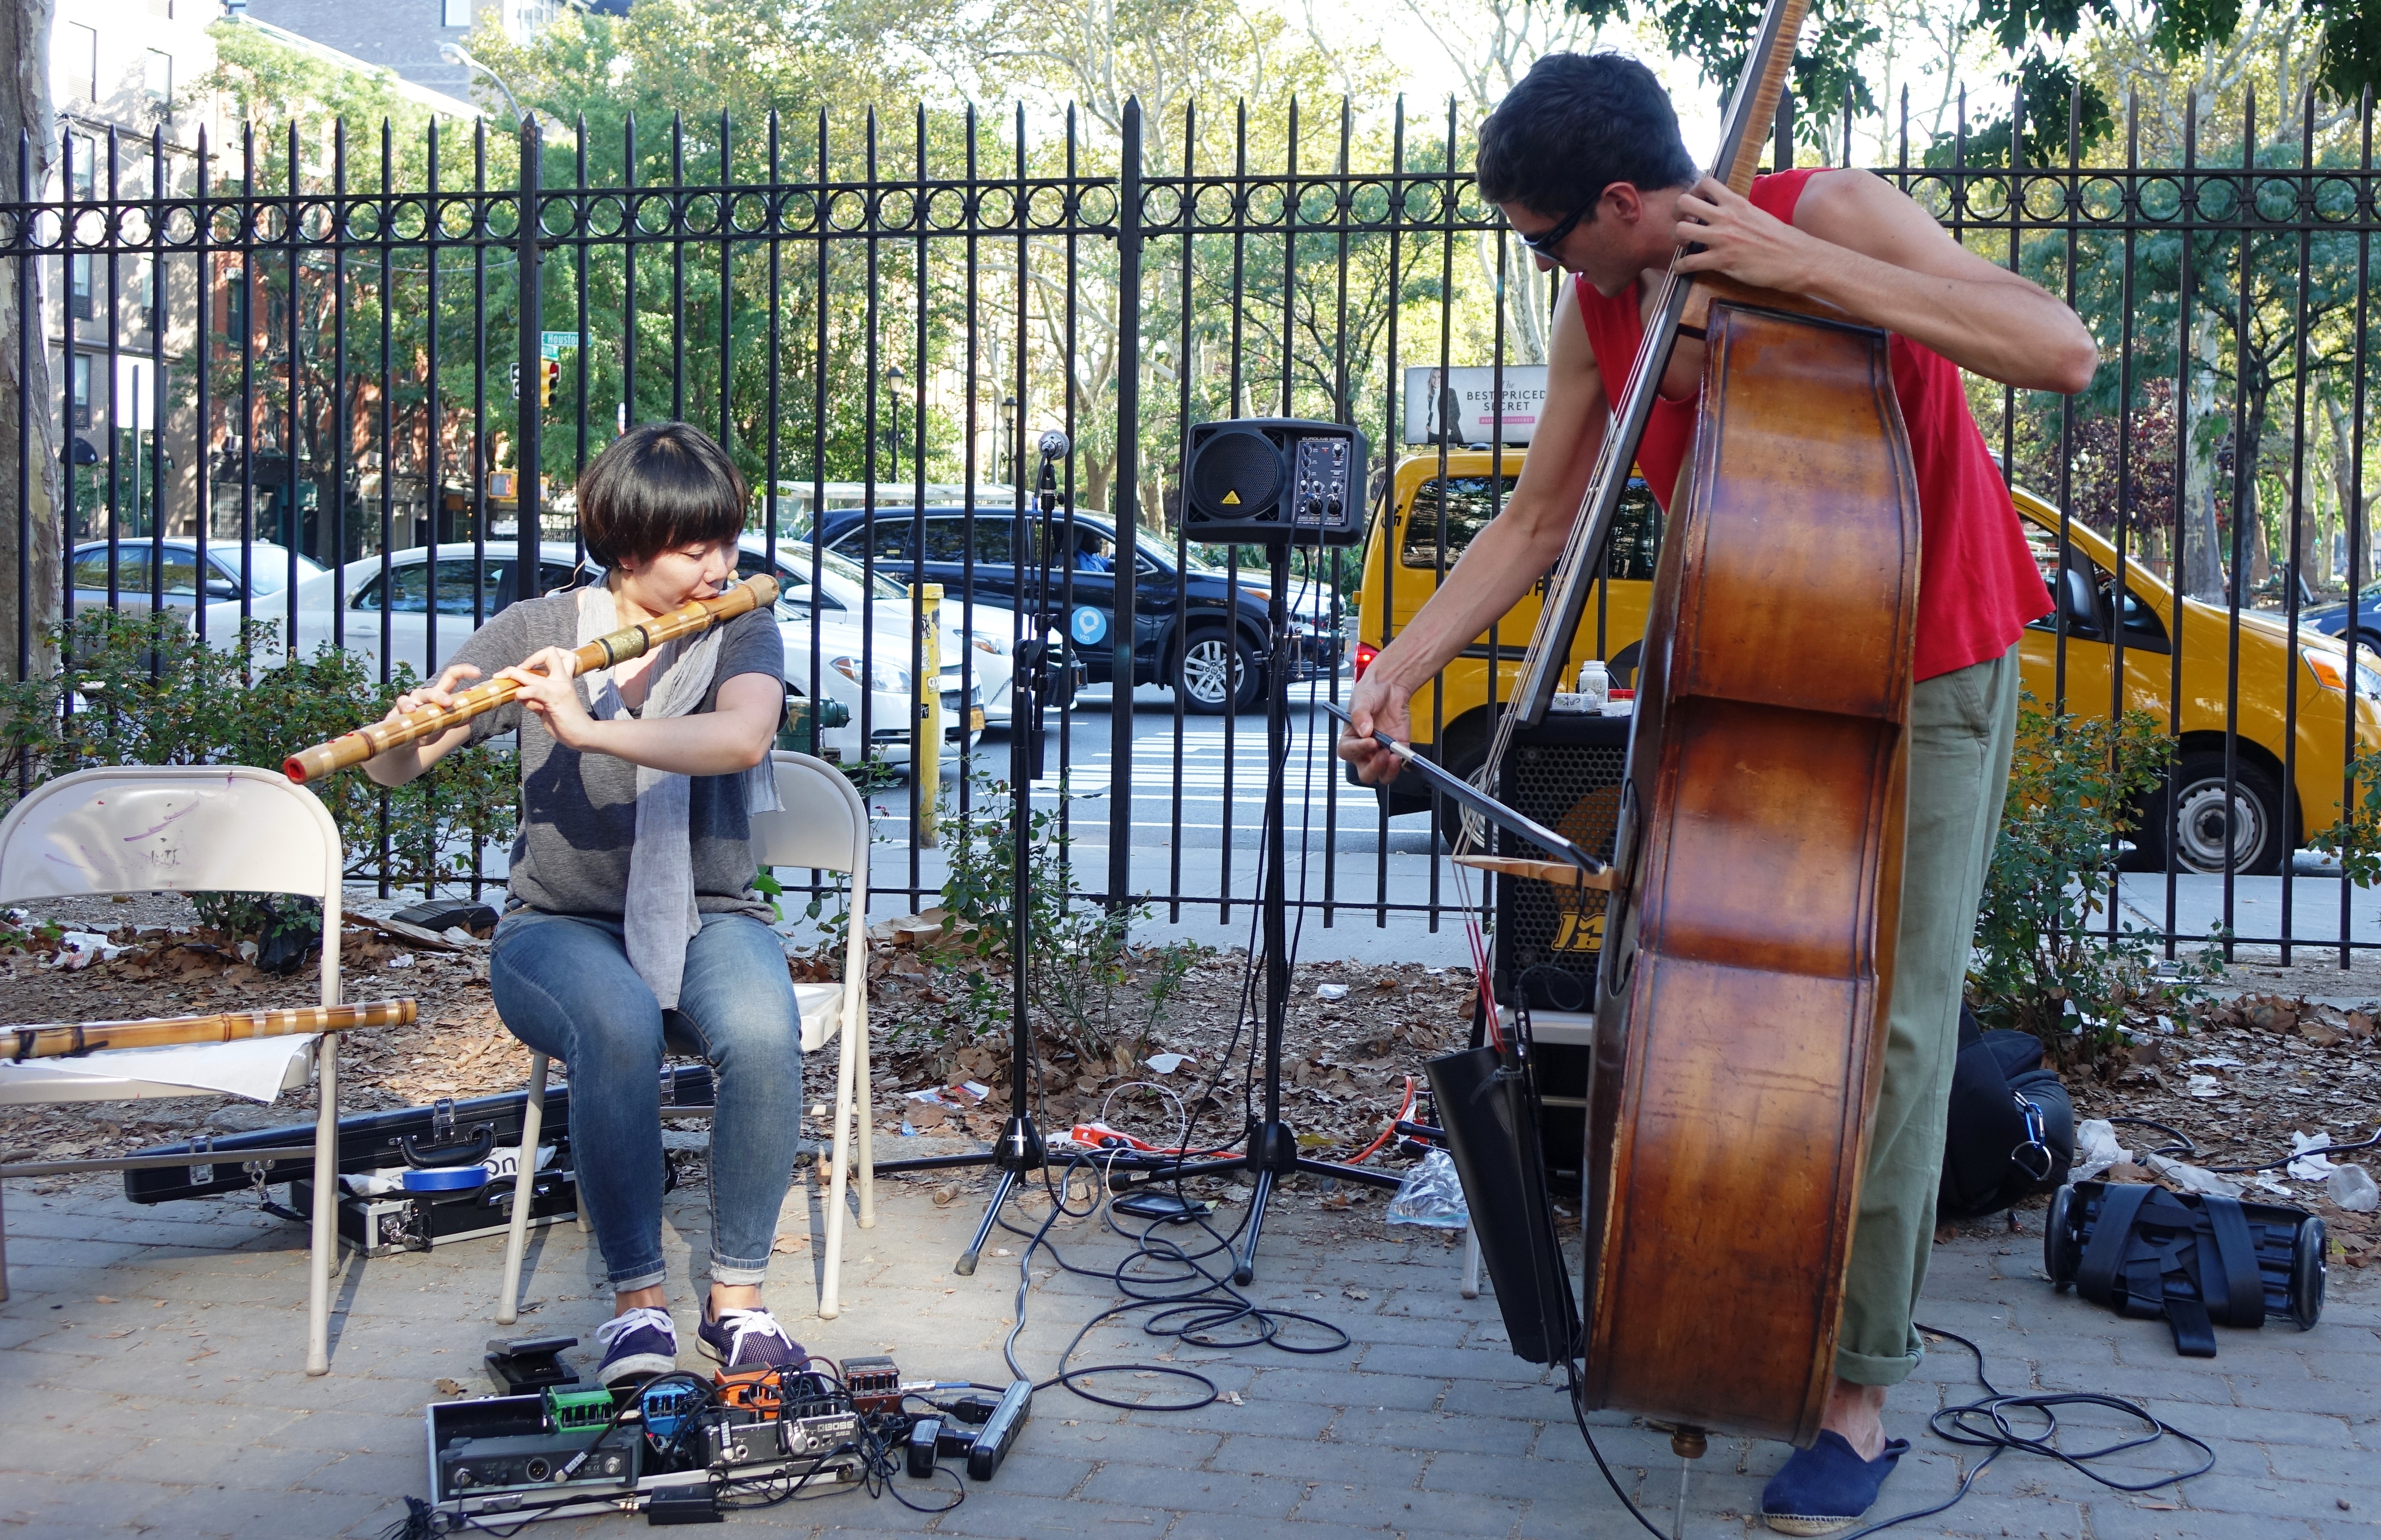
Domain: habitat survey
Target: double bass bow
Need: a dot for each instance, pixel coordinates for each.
(1747, 960)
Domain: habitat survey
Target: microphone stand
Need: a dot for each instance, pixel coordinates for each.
(1020, 1149)
(1272, 1150)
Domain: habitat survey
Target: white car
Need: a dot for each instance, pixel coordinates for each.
(843, 588)
(266, 573)
(427, 610)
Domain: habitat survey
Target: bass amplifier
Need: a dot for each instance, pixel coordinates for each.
(1566, 774)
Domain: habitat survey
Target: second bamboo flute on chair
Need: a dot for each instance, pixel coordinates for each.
(629, 641)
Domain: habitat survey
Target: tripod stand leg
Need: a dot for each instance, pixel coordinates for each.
(1244, 1267)
(965, 1267)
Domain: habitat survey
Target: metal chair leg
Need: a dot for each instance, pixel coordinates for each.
(1470, 1264)
(324, 1245)
(831, 1265)
(861, 1101)
(524, 1186)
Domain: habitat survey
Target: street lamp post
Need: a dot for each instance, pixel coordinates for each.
(1008, 435)
(894, 380)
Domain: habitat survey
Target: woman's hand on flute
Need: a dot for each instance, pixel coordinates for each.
(439, 692)
(396, 766)
(547, 692)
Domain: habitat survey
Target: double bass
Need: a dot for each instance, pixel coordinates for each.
(1748, 953)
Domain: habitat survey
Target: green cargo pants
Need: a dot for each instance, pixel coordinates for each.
(1961, 727)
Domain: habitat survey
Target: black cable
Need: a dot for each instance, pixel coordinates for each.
(2188, 1149)
(1188, 1303)
(1988, 1422)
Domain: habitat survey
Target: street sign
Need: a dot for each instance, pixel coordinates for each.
(550, 344)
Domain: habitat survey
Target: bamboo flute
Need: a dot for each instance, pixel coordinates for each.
(68, 1039)
(378, 737)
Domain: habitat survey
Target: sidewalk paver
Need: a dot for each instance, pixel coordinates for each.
(150, 1385)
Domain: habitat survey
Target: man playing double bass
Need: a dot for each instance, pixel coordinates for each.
(1584, 159)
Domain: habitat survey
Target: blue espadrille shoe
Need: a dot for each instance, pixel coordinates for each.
(1827, 1486)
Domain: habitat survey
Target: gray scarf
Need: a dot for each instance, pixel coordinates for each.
(658, 912)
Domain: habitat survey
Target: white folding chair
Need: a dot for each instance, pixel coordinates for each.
(186, 829)
(823, 825)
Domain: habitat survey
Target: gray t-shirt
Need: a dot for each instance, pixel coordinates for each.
(571, 856)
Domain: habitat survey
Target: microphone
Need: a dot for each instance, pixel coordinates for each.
(1055, 445)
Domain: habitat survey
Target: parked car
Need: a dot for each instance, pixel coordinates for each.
(843, 589)
(1213, 651)
(872, 682)
(2336, 618)
(268, 574)
(2293, 699)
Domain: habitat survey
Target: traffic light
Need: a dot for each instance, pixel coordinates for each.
(549, 374)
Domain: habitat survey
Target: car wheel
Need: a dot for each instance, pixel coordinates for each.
(1216, 673)
(2188, 817)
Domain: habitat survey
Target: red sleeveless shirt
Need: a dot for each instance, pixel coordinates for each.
(1977, 583)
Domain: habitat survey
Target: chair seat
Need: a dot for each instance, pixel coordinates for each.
(821, 1005)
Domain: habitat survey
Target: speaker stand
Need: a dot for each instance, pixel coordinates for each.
(1272, 1149)
(1020, 1150)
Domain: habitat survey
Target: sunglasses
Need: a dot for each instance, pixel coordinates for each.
(1546, 240)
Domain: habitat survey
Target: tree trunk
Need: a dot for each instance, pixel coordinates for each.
(2248, 447)
(24, 113)
(2344, 487)
(2203, 551)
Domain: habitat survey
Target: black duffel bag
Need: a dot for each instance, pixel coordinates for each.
(2010, 1131)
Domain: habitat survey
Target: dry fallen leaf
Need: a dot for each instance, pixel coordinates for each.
(104, 1299)
(784, 1245)
(1356, 1293)
(450, 1387)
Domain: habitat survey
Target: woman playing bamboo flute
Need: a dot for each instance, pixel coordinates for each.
(630, 913)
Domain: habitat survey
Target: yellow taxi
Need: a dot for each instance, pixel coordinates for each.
(2292, 704)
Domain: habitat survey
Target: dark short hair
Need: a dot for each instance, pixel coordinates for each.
(656, 488)
(1575, 124)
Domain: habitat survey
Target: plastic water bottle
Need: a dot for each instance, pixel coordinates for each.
(1594, 685)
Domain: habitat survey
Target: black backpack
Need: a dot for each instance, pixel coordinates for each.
(2010, 1131)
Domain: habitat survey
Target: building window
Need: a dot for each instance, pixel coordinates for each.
(80, 299)
(144, 296)
(157, 77)
(79, 59)
(235, 306)
(457, 14)
(82, 372)
(82, 175)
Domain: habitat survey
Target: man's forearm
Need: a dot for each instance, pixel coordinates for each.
(1960, 320)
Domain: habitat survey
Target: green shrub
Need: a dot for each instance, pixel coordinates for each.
(144, 690)
(1082, 966)
(2356, 839)
(2044, 960)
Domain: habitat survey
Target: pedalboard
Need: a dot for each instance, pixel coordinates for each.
(680, 1451)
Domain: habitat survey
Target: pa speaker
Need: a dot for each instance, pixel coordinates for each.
(1273, 481)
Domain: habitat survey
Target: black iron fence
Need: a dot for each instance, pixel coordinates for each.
(345, 381)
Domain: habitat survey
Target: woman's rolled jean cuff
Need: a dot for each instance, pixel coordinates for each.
(739, 1274)
(652, 1277)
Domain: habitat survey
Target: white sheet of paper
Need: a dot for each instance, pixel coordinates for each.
(257, 1068)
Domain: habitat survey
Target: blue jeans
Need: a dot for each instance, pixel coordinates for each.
(563, 985)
